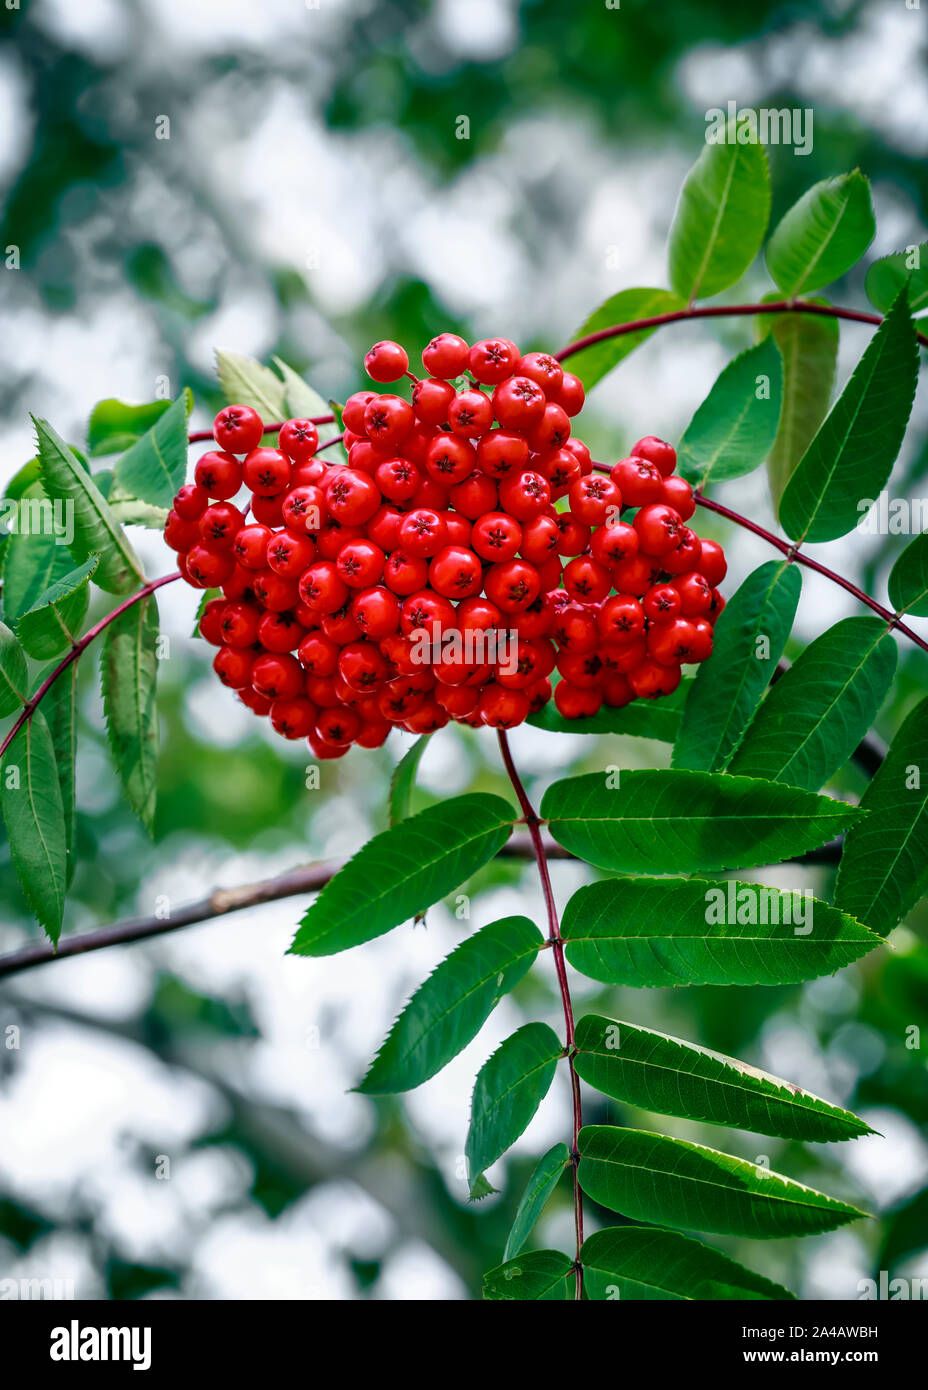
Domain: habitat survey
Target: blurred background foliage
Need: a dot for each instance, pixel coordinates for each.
(175, 1117)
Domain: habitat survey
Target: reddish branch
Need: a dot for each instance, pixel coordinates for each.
(557, 944)
(201, 436)
(719, 311)
(32, 704)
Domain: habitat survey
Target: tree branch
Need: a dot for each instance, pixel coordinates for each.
(718, 311)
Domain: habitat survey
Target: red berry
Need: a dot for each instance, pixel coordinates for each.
(360, 563)
(658, 452)
(405, 573)
(638, 481)
(239, 624)
(276, 593)
(512, 585)
(524, 495)
(446, 356)
(574, 627)
(351, 497)
(685, 555)
(662, 603)
(191, 502)
(386, 361)
(299, 439)
(677, 493)
(571, 395)
(492, 360)
(595, 500)
(376, 612)
(502, 708)
(210, 622)
(233, 666)
(543, 369)
(266, 472)
(280, 632)
(695, 595)
(712, 563)
(318, 654)
(289, 552)
(250, 546)
(672, 643)
(519, 403)
(449, 459)
(422, 532)
(207, 568)
(238, 428)
(431, 399)
(540, 538)
(338, 725)
(322, 587)
(476, 496)
(456, 572)
(552, 431)
(181, 535)
(501, 452)
(651, 679)
(268, 511)
(363, 666)
(574, 703)
(470, 414)
(387, 421)
(612, 544)
(303, 508)
(293, 718)
(658, 527)
(621, 619)
(277, 676)
(496, 536)
(586, 579)
(218, 474)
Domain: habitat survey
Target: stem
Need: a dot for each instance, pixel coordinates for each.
(307, 879)
(200, 436)
(557, 945)
(32, 704)
(792, 552)
(718, 311)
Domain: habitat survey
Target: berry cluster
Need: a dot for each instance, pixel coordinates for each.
(435, 577)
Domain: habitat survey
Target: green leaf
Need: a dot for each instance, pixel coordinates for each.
(688, 820)
(115, 426)
(852, 455)
(658, 719)
(884, 868)
(808, 344)
(450, 1008)
(510, 1087)
(545, 1178)
(908, 579)
(645, 932)
(733, 430)
(822, 235)
(56, 617)
(720, 219)
(156, 464)
(816, 715)
(131, 512)
(887, 276)
(14, 675)
(35, 555)
(302, 400)
(59, 706)
(30, 799)
(247, 382)
(593, 363)
(404, 779)
(749, 639)
(648, 1177)
(402, 871)
(540, 1274)
(656, 1072)
(129, 672)
(96, 530)
(640, 1262)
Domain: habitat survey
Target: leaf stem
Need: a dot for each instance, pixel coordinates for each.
(201, 436)
(533, 823)
(33, 702)
(717, 311)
